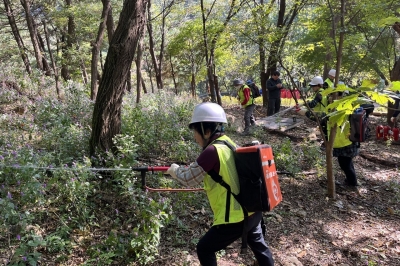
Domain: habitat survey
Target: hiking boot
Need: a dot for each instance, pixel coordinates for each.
(245, 133)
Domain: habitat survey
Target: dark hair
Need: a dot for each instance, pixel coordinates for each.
(276, 73)
(212, 126)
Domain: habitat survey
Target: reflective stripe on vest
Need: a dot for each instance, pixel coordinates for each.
(217, 194)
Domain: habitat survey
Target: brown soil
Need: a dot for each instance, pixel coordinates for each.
(359, 227)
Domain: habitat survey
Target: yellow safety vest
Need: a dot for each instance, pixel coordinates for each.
(241, 96)
(320, 107)
(217, 194)
(330, 83)
(342, 135)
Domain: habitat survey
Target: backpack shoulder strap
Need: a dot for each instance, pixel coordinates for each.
(218, 179)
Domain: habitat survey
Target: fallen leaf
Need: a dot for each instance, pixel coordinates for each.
(302, 254)
(390, 210)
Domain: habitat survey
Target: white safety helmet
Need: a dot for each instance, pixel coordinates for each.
(208, 112)
(317, 81)
(332, 72)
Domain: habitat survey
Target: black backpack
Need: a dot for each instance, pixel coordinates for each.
(255, 92)
(359, 130)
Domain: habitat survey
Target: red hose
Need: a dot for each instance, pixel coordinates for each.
(158, 168)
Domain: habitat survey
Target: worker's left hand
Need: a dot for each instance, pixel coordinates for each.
(393, 119)
(172, 170)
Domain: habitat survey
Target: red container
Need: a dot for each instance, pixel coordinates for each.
(288, 94)
(297, 94)
(395, 134)
(379, 132)
(386, 132)
(283, 94)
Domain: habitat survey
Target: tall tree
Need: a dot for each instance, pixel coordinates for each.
(106, 122)
(17, 36)
(158, 59)
(210, 39)
(41, 61)
(283, 24)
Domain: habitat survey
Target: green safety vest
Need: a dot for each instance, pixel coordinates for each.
(241, 96)
(217, 194)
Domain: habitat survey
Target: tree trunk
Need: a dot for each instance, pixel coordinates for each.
(209, 48)
(329, 162)
(17, 36)
(156, 62)
(143, 85)
(138, 62)
(193, 84)
(106, 122)
(53, 63)
(26, 4)
(96, 48)
(394, 76)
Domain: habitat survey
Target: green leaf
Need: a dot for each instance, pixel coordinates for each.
(368, 84)
(337, 117)
(395, 86)
(379, 98)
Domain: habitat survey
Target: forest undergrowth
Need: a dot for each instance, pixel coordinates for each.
(59, 206)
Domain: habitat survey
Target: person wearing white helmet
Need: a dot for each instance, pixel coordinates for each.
(208, 126)
(318, 103)
(246, 100)
(329, 82)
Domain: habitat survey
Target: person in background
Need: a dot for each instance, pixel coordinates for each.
(330, 81)
(345, 150)
(247, 102)
(318, 104)
(207, 122)
(397, 107)
(274, 86)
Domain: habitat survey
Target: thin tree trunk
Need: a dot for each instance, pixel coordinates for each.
(53, 63)
(17, 36)
(394, 76)
(143, 85)
(32, 32)
(209, 48)
(106, 121)
(156, 62)
(173, 75)
(96, 48)
(138, 62)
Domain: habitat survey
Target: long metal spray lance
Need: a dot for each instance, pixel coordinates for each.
(144, 169)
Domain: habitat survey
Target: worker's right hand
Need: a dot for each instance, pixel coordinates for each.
(172, 170)
(393, 119)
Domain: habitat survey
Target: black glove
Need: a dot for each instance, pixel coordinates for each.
(318, 97)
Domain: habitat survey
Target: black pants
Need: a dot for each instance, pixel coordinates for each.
(220, 236)
(346, 164)
(274, 105)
